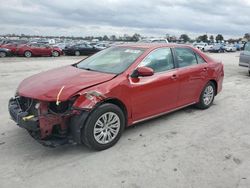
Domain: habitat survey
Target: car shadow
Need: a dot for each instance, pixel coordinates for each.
(82, 150)
(190, 109)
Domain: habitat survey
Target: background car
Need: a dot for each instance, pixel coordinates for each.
(4, 52)
(230, 48)
(35, 49)
(8, 41)
(217, 48)
(153, 40)
(80, 49)
(245, 57)
(61, 45)
(101, 46)
(207, 47)
(11, 46)
(201, 46)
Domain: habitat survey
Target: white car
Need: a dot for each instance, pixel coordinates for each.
(154, 40)
(207, 47)
(230, 48)
(200, 46)
(101, 46)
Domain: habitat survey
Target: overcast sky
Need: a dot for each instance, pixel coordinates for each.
(147, 17)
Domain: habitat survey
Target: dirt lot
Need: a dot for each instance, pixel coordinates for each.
(189, 148)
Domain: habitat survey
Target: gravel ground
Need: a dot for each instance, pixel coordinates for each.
(189, 148)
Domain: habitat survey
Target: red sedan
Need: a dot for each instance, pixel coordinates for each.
(36, 49)
(92, 101)
(11, 46)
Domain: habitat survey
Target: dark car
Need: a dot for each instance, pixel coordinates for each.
(217, 48)
(35, 49)
(245, 57)
(5, 52)
(6, 41)
(80, 49)
(92, 101)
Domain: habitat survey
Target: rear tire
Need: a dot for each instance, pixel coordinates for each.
(3, 54)
(103, 127)
(55, 54)
(27, 54)
(77, 53)
(207, 96)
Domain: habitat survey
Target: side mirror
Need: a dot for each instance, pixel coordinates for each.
(142, 71)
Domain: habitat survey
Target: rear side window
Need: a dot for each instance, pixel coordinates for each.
(185, 57)
(159, 60)
(247, 46)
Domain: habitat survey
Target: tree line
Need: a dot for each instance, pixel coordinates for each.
(136, 37)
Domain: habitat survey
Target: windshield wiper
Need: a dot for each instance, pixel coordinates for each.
(89, 69)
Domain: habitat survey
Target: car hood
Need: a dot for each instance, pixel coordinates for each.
(47, 85)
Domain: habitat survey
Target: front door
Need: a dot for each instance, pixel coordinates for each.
(157, 93)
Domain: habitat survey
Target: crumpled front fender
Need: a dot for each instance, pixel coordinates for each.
(88, 100)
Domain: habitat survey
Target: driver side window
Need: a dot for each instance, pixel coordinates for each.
(159, 60)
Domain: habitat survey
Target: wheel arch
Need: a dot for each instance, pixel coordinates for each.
(118, 103)
(215, 85)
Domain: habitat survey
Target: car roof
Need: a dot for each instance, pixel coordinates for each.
(153, 45)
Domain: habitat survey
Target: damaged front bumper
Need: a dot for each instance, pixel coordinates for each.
(47, 128)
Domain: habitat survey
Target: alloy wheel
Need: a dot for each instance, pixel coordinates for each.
(2, 54)
(55, 54)
(208, 95)
(107, 128)
(27, 54)
(77, 53)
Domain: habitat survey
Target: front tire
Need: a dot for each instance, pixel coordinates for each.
(103, 127)
(27, 54)
(55, 54)
(207, 96)
(77, 53)
(3, 54)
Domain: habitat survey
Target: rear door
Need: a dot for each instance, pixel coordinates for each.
(158, 93)
(192, 71)
(245, 56)
(90, 49)
(45, 50)
(35, 49)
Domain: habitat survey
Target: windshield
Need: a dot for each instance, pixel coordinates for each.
(112, 60)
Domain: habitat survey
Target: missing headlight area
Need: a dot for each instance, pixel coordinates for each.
(61, 108)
